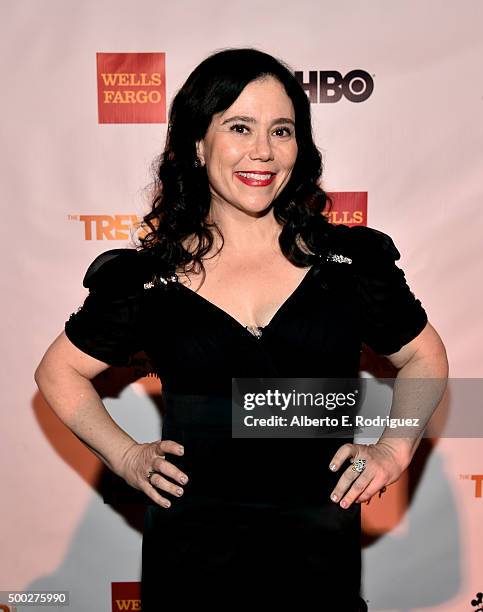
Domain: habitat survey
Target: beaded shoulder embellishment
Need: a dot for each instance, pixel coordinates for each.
(160, 281)
(338, 258)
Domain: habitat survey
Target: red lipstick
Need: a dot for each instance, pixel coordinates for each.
(248, 178)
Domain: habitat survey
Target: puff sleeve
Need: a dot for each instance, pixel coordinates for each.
(106, 326)
(390, 314)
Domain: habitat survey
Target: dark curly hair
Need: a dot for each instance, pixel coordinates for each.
(181, 194)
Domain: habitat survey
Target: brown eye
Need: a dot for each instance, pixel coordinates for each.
(288, 131)
(238, 127)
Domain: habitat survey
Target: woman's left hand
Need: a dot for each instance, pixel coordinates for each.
(384, 465)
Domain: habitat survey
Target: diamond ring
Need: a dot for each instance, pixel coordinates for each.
(359, 465)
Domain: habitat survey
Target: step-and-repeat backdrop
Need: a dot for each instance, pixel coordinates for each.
(397, 100)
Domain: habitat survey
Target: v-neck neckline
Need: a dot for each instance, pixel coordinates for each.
(278, 313)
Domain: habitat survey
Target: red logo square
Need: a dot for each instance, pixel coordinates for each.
(350, 208)
(131, 87)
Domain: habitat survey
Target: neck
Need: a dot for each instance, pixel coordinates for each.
(242, 232)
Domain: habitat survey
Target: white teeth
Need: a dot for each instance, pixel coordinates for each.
(257, 177)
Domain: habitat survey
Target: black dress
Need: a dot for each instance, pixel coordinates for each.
(255, 524)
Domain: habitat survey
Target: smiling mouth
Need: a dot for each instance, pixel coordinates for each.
(256, 179)
(258, 176)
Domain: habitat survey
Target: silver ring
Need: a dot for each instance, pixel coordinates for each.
(359, 465)
(151, 472)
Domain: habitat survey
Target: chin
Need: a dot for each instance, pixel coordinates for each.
(257, 208)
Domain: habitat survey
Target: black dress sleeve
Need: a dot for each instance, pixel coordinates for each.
(390, 314)
(106, 326)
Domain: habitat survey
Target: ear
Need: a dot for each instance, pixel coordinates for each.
(200, 151)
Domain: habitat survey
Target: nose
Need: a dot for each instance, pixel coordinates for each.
(262, 148)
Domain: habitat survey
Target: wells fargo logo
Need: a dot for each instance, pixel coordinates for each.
(349, 208)
(131, 87)
(126, 596)
(478, 480)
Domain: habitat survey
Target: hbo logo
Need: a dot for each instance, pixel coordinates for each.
(328, 86)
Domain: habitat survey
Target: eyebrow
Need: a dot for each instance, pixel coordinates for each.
(252, 120)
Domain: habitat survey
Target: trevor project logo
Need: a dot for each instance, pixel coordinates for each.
(131, 87)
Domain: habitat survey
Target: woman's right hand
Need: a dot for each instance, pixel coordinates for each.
(140, 459)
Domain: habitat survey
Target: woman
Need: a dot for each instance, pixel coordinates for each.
(241, 275)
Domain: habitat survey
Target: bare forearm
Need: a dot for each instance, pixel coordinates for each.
(418, 390)
(78, 405)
